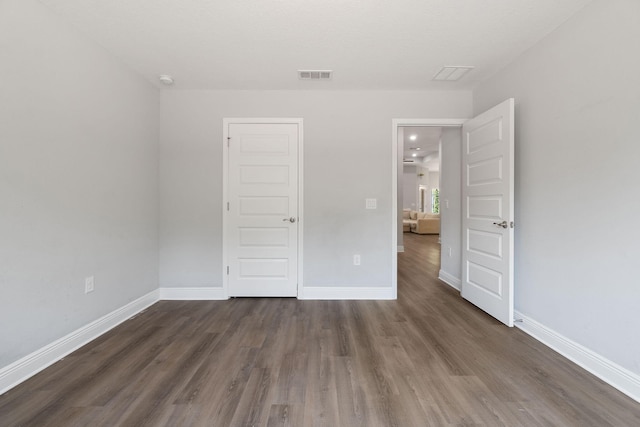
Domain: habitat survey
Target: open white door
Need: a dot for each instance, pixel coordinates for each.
(487, 211)
(262, 209)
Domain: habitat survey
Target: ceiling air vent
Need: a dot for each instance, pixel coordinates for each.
(452, 73)
(315, 74)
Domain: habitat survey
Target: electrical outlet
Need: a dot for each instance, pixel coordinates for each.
(88, 284)
(446, 203)
(371, 203)
(356, 260)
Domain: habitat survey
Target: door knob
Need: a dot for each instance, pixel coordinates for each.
(292, 219)
(502, 224)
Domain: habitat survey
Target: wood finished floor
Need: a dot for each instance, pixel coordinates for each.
(427, 359)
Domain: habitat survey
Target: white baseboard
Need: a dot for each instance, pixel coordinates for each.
(28, 366)
(347, 293)
(400, 248)
(193, 294)
(615, 375)
(450, 280)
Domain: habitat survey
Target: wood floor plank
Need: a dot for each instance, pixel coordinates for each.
(285, 416)
(428, 359)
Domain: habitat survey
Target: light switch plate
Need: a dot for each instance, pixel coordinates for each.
(371, 203)
(88, 284)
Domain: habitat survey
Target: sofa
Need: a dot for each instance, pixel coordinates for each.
(420, 222)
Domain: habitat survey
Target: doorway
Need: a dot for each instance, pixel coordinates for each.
(448, 204)
(486, 197)
(423, 201)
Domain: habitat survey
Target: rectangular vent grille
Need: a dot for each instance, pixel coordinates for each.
(452, 73)
(315, 74)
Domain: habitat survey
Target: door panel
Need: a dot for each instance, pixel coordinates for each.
(487, 197)
(264, 237)
(264, 175)
(262, 226)
(485, 243)
(488, 171)
(484, 207)
(263, 206)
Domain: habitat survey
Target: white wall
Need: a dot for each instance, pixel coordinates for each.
(577, 111)
(450, 216)
(434, 179)
(78, 180)
(410, 187)
(339, 127)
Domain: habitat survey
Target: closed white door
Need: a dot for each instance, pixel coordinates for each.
(487, 211)
(262, 210)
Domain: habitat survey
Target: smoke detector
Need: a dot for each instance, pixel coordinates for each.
(315, 74)
(165, 79)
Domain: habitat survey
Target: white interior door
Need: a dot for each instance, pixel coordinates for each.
(487, 211)
(262, 211)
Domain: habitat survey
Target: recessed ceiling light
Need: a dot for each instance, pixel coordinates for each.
(413, 137)
(418, 148)
(452, 73)
(414, 155)
(165, 79)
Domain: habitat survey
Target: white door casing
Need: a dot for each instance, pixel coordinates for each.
(262, 207)
(488, 211)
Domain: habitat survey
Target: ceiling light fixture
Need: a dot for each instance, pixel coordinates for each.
(413, 137)
(165, 79)
(414, 155)
(452, 73)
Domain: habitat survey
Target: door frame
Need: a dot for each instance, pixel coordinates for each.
(395, 125)
(225, 192)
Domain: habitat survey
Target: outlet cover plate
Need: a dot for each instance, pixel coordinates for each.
(371, 203)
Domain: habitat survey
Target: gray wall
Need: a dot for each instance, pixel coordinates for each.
(410, 187)
(434, 179)
(340, 128)
(78, 180)
(577, 111)
(450, 191)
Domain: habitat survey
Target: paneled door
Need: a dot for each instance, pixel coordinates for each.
(262, 209)
(487, 211)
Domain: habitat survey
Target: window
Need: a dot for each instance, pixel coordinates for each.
(435, 201)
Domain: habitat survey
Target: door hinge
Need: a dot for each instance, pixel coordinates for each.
(227, 206)
(228, 139)
(511, 224)
(227, 270)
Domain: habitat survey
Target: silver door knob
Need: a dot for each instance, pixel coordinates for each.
(292, 219)
(502, 224)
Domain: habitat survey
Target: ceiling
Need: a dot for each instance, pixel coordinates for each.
(425, 146)
(369, 44)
